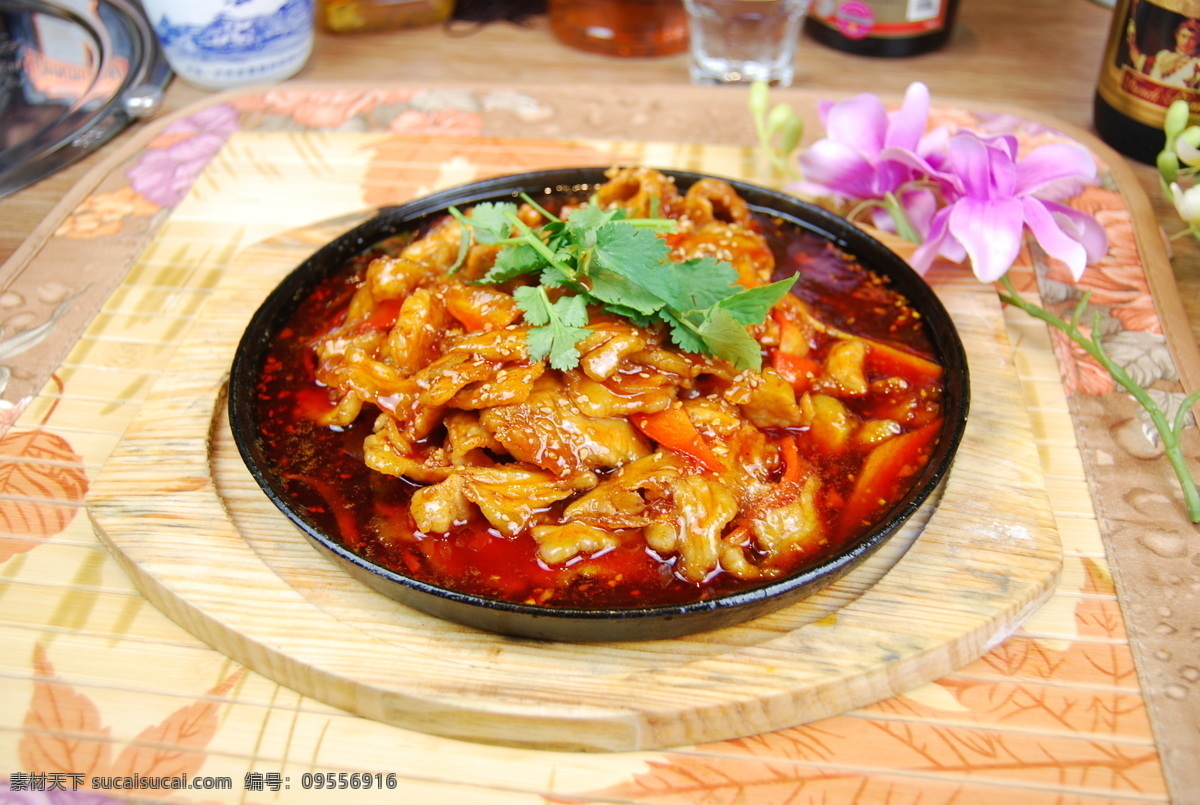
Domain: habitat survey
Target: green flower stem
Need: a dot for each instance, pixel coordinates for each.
(1168, 432)
(1192, 229)
(891, 205)
(904, 227)
(775, 123)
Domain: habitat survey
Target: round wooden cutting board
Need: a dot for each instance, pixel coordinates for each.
(183, 516)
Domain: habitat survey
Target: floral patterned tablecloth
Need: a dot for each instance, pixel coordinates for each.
(1093, 700)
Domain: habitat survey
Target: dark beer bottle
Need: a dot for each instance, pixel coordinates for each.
(1152, 59)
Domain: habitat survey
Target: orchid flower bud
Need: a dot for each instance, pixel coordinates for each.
(1188, 146)
(1187, 203)
(1168, 166)
(760, 95)
(790, 136)
(778, 117)
(1176, 119)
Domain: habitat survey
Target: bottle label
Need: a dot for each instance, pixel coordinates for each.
(882, 19)
(1152, 58)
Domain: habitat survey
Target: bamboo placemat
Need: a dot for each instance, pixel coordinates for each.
(99, 683)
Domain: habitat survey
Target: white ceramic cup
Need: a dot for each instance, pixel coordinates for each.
(742, 41)
(216, 44)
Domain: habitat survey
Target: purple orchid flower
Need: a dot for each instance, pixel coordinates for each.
(869, 154)
(992, 195)
(961, 196)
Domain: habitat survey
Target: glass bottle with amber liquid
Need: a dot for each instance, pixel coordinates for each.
(1151, 60)
(621, 27)
(353, 16)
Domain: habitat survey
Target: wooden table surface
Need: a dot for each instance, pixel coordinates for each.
(1039, 54)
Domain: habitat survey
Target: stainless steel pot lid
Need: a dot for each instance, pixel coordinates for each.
(73, 73)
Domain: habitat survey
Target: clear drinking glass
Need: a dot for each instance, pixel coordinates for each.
(741, 41)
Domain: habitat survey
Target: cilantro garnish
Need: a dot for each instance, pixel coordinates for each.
(558, 326)
(601, 257)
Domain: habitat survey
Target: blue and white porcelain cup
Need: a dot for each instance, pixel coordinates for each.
(217, 44)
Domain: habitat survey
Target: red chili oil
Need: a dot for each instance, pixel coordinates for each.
(323, 472)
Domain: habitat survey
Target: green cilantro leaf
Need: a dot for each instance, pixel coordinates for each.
(697, 284)
(489, 221)
(629, 250)
(559, 326)
(618, 291)
(593, 216)
(554, 229)
(518, 259)
(683, 333)
(750, 306)
(728, 340)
